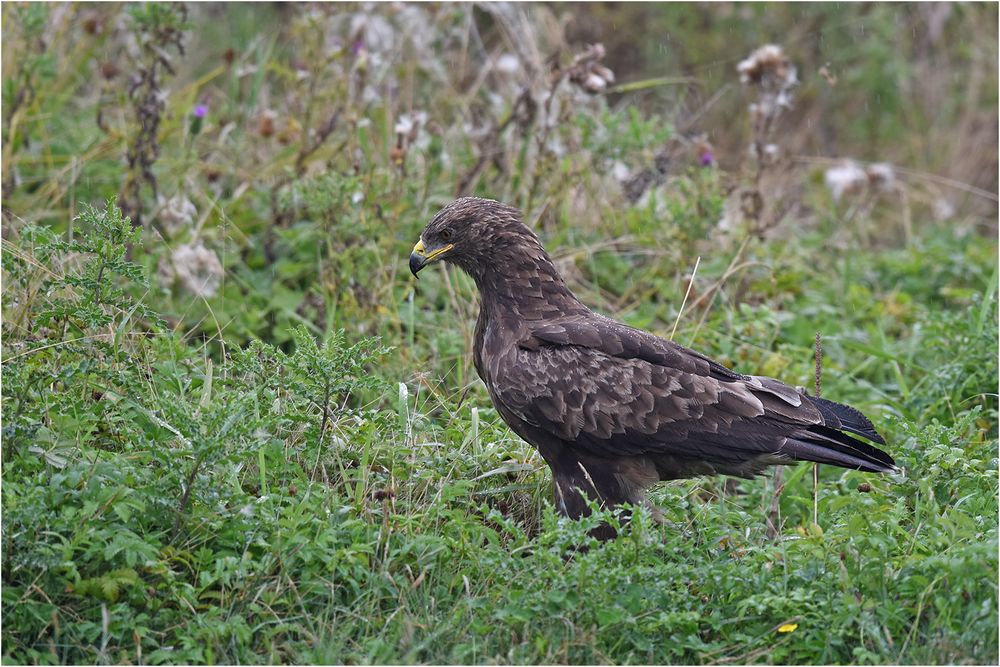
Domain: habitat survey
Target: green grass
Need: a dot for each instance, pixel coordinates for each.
(300, 465)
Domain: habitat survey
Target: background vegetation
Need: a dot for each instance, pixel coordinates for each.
(236, 430)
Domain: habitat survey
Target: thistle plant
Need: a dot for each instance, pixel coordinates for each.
(93, 298)
(19, 90)
(160, 32)
(771, 75)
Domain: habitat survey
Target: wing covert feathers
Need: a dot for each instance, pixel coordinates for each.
(608, 390)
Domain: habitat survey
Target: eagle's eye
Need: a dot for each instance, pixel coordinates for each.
(445, 234)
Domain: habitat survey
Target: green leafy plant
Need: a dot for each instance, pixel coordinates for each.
(90, 299)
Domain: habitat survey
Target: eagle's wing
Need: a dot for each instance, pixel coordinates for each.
(612, 390)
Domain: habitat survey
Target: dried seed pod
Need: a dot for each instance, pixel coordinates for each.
(265, 123)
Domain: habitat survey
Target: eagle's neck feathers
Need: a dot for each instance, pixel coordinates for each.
(518, 282)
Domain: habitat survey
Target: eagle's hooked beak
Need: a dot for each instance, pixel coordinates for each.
(420, 258)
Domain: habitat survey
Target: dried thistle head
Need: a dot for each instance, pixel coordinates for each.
(769, 70)
(881, 176)
(587, 72)
(407, 130)
(196, 267)
(265, 123)
(409, 124)
(176, 213)
(110, 69)
(93, 24)
(850, 178)
(845, 178)
(943, 209)
(768, 67)
(507, 65)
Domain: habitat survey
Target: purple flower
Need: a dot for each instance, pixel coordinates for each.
(707, 158)
(357, 46)
(200, 110)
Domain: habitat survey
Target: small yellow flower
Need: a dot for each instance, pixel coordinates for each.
(788, 627)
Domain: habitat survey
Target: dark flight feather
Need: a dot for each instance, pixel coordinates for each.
(613, 409)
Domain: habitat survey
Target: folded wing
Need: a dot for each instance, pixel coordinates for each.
(611, 390)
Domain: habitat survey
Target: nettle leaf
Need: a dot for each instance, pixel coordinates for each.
(123, 511)
(109, 588)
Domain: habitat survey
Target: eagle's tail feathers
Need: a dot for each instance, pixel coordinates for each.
(839, 416)
(825, 445)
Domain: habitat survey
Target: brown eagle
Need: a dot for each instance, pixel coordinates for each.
(610, 408)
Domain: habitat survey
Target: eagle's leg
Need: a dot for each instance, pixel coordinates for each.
(572, 500)
(607, 482)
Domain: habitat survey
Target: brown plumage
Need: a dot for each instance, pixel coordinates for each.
(613, 409)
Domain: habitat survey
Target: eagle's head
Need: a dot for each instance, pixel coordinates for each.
(478, 235)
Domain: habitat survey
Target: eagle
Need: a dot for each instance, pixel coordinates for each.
(613, 409)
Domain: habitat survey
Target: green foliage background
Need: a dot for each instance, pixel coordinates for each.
(236, 430)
